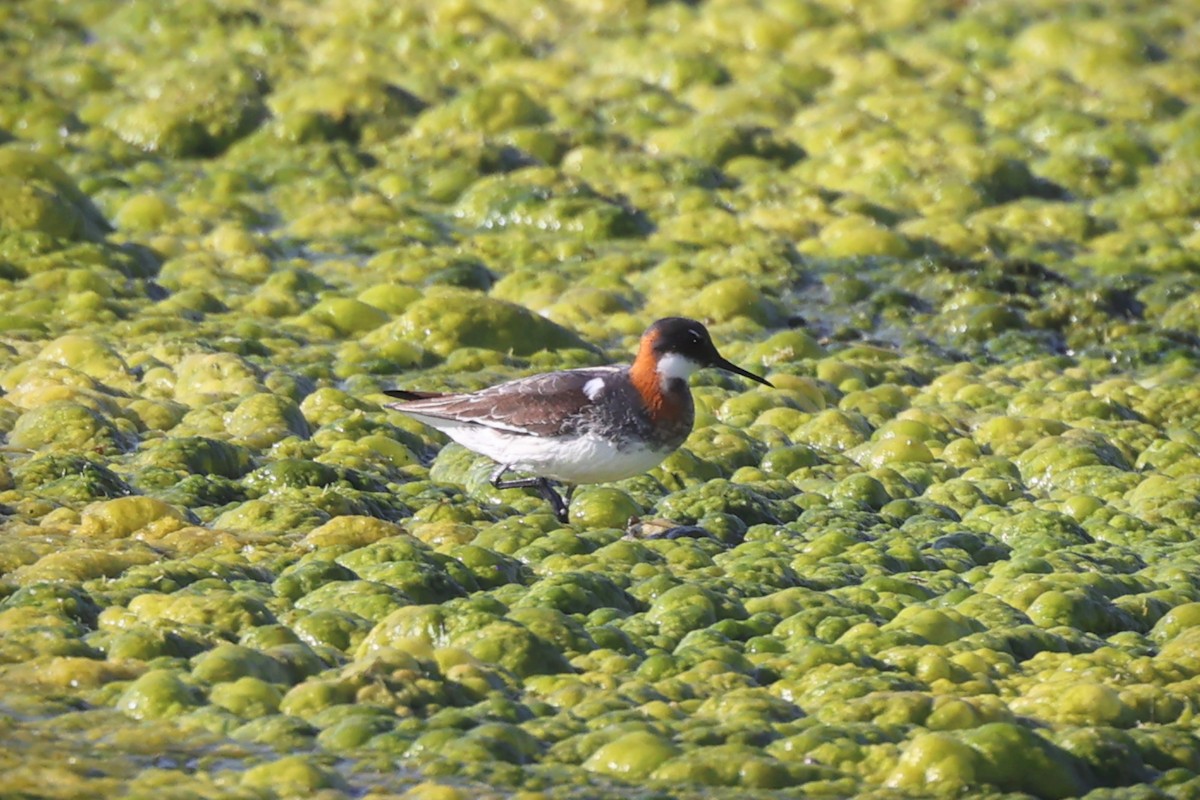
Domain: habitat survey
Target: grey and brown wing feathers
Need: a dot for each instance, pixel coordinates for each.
(552, 404)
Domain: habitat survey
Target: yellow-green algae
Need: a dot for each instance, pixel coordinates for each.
(954, 553)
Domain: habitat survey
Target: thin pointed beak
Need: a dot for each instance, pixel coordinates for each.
(729, 366)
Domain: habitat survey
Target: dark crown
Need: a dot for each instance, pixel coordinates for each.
(687, 337)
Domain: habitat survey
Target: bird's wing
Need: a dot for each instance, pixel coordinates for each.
(540, 405)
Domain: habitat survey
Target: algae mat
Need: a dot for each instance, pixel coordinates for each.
(954, 553)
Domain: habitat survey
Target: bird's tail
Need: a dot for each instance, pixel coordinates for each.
(405, 394)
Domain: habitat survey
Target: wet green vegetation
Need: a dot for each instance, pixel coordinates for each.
(955, 552)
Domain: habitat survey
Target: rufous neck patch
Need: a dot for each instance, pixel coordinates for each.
(662, 407)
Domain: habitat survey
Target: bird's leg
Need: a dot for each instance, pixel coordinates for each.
(515, 483)
(554, 499)
(541, 484)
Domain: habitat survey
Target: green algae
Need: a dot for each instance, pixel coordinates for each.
(953, 553)
(39, 197)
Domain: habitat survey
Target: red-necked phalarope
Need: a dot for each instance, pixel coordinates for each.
(590, 425)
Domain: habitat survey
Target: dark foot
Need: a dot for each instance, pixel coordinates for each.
(554, 499)
(545, 489)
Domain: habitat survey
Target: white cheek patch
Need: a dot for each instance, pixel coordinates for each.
(593, 388)
(673, 366)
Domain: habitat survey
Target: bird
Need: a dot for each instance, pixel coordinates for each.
(580, 426)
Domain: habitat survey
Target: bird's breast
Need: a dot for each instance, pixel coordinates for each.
(621, 415)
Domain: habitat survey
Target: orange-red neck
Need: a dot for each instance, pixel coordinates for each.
(661, 406)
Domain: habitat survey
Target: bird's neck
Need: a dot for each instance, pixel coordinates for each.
(662, 384)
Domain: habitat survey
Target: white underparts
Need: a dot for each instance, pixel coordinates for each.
(572, 459)
(673, 367)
